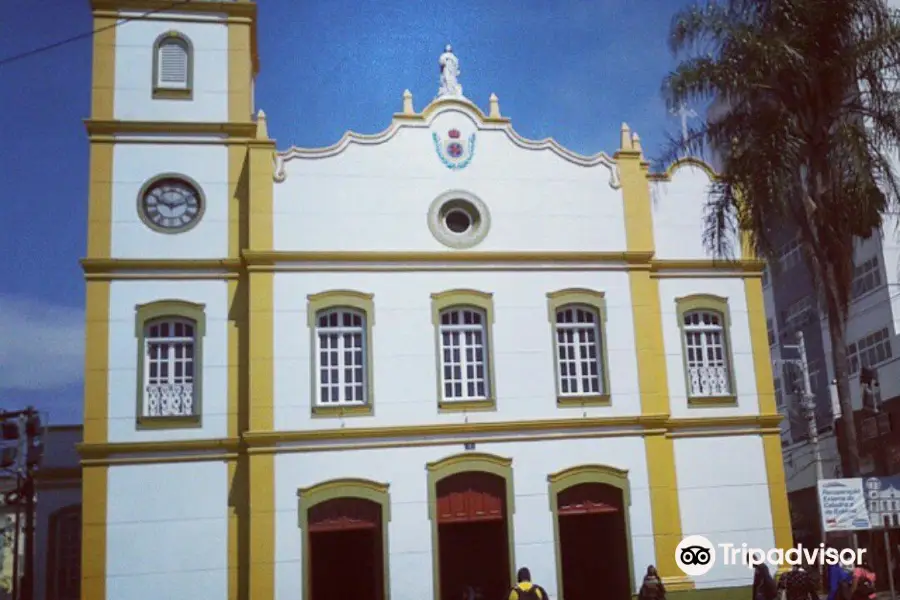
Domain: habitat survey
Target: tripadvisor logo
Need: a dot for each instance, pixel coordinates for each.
(696, 555)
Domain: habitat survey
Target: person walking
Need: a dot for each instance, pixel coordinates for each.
(525, 589)
(797, 584)
(840, 582)
(764, 587)
(863, 587)
(652, 588)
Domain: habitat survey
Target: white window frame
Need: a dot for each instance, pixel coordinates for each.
(455, 342)
(790, 255)
(169, 393)
(578, 352)
(341, 339)
(707, 377)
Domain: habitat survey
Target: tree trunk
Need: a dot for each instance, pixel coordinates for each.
(842, 377)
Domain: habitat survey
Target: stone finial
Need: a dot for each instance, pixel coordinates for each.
(408, 103)
(636, 143)
(625, 143)
(494, 113)
(262, 129)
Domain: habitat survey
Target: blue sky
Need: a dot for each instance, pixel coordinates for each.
(573, 70)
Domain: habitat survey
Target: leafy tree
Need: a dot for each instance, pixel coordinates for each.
(805, 134)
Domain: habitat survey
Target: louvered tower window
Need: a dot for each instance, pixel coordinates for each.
(172, 64)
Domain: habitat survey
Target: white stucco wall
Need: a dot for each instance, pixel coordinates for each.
(723, 495)
(134, 165)
(403, 344)
(376, 197)
(679, 209)
(134, 71)
(410, 530)
(123, 357)
(167, 531)
(738, 336)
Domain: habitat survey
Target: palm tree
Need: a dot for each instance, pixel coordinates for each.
(806, 136)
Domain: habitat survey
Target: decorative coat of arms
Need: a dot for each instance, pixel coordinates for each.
(455, 153)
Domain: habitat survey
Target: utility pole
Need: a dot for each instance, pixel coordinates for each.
(808, 404)
(23, 427)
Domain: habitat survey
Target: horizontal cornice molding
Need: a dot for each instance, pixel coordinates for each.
(100, 127)
(236, 8)
(261, 260)
(425, 435)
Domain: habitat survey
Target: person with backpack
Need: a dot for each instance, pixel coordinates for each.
(525, 589)
(863, 582)
(652, 588)
(764, 587)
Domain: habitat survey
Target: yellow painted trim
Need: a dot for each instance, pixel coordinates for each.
(261, 369)
(344, 488)
(603, 474)
(99, 241)
(94, 494)
(737, 267)
(595, 301)
(778, 499)
(161, 460)
(759, 343)
(98, 126)
(272, 258)
(332, 299)
(89, 450)
(238, 8)
(461, 298)
(719, 305)
(442, 103)
(103, 68)
(723, 432)
(689, 161)
(464, 463)
(238, 492)
(96, 384)
(240, 70)
(184, 18)
(651, 354)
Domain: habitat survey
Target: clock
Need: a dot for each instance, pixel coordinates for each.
(170, 205)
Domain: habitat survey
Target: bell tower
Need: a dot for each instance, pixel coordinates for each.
(170, 131)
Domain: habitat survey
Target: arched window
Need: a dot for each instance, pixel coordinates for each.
(341, 323)
(173, 59)
(704, 322)
(170, 336)
(342, 355)
(578, 357)
(464, 354)
(707, 361)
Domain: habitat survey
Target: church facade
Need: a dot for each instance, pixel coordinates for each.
(404, 365)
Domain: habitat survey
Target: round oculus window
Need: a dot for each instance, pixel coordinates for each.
(170, 205)
(458, 219)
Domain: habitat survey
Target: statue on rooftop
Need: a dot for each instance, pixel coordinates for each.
(450, 85)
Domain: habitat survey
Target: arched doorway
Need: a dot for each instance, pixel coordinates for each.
(593, 542)
(471, 507)
(344, 528)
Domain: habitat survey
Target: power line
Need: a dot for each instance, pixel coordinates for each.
(87, 34)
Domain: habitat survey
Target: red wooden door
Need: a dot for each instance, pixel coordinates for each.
(589, 499)
(344, 514)
(471, 497)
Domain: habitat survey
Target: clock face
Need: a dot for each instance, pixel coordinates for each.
(171, 205)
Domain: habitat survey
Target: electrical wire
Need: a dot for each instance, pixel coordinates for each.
(88, 34)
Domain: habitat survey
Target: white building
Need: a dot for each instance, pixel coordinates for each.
(403, 364)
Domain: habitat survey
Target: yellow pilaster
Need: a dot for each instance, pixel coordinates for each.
(96, 365)
(765, 389)
(261, 467)
(648, 333)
